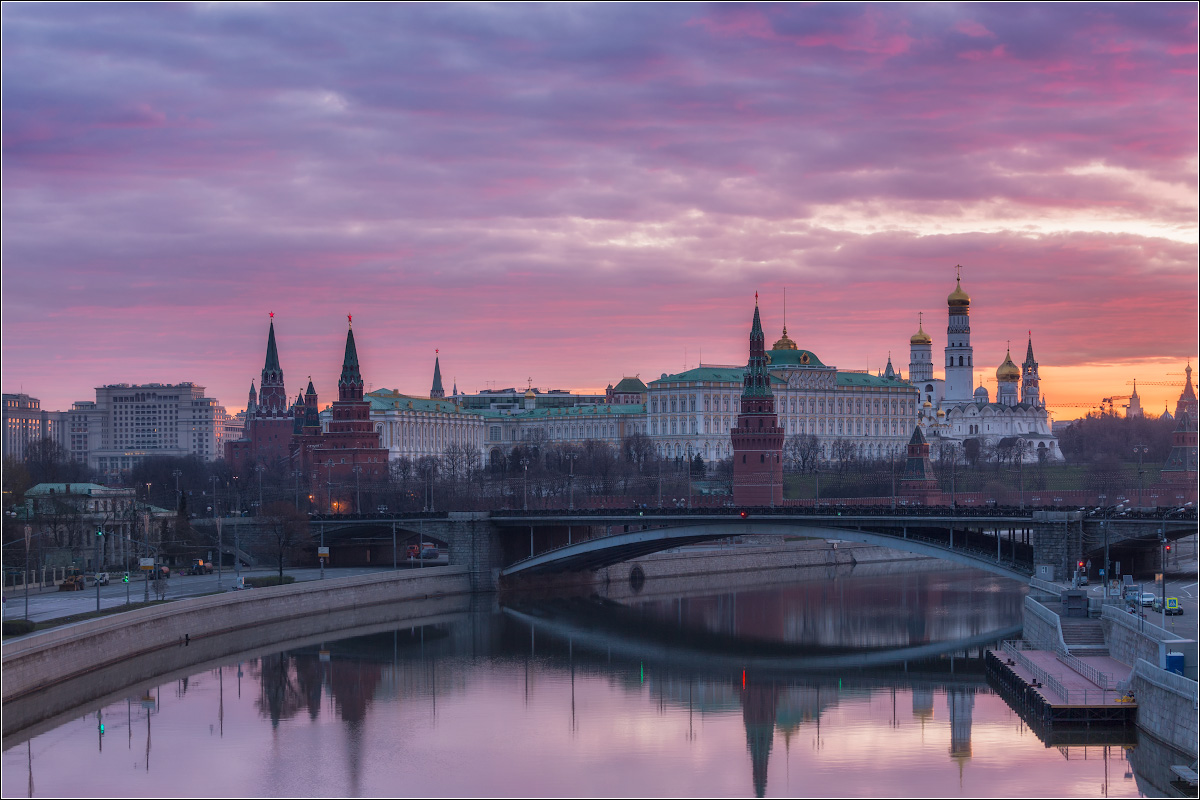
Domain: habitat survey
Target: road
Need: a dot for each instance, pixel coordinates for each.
(1183, 587)
(51, 604)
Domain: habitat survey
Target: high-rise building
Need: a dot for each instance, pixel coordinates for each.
(153, 419)
(26, 424)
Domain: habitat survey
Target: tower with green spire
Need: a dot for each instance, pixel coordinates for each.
(758, 438)
(348, 455)
(437, 392)
(266, 437)
(272, 396)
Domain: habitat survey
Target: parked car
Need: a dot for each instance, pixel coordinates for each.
(1147, 598)
(100, 578)
(1173, 607)
(429, 554)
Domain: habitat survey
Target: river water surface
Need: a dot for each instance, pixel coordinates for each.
(829, 684)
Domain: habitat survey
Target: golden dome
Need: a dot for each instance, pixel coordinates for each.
(920, 337)
(529, 392)
(784, 343)
(927, 404)
(1008, 371)
(958, 297)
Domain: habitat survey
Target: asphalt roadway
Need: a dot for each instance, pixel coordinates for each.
(50, 604)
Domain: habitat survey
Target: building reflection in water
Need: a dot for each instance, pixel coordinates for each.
(400, 672)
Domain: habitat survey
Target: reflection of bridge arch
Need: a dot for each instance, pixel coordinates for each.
(701, 660)
(593, 554)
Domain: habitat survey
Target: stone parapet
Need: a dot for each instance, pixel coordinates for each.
(42, 660)
(1043, 628)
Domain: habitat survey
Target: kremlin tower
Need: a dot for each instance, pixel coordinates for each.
(266, 438)
(758, 438)
(349, 454)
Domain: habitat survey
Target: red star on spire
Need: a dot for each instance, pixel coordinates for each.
(271, 314)
(350, 319)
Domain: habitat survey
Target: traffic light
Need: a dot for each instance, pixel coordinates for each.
(1168, 548)
(99, 531)
(1081, 565)
(125, 579)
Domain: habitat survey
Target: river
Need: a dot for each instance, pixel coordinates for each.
(846, 684)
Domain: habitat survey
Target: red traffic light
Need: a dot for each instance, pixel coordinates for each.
(1168, 548)
(1081, 565)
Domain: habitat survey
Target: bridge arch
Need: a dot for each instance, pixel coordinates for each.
(593, 554)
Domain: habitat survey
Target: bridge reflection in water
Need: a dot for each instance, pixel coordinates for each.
(589, 696)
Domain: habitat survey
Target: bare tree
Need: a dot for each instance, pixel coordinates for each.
(801, 452)
(287, 531)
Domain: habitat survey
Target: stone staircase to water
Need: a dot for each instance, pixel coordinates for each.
(1084, 637)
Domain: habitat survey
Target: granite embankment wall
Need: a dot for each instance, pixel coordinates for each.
(206, 626)
(1130, 638)
(1167, 706)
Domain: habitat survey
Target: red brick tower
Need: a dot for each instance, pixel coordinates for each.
(919, 482)
(267, 436)
(350, 441)
(757, 439)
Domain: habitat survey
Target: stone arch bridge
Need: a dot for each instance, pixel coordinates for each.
(500, 546)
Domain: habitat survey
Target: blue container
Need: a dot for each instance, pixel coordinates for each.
(1175, 663)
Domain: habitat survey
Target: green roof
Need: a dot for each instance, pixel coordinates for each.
(803, 358)
(383, 399)
(706, 374)
(630, 386)
(599, 411)
(62, 488)
(865, 379)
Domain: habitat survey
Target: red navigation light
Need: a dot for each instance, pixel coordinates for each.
(743, 515)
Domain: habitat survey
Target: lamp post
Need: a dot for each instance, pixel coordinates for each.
(329, 484)
(892, 463)
(357, 470)
(1103, 527)
(689, 477)
(220, 542)
(258, 468)
(175, 473)
(99, 542)
(571, 479)
(525, 494)
(1140, 450)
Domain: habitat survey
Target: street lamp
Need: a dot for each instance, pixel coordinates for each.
(1140, 450)
(220, 540)
(525, 495)
(1104, 527)
(329, 483)
(571, 480)
(357, 470)
(258, 468)
(178, 497)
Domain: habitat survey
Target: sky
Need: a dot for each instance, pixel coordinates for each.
(568, 194)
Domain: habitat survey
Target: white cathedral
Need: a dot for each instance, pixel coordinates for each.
(952, 413)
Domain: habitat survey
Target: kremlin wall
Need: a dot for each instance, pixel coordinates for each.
(744, 412)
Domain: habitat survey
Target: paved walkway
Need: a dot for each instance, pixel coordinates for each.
(1035, 665)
